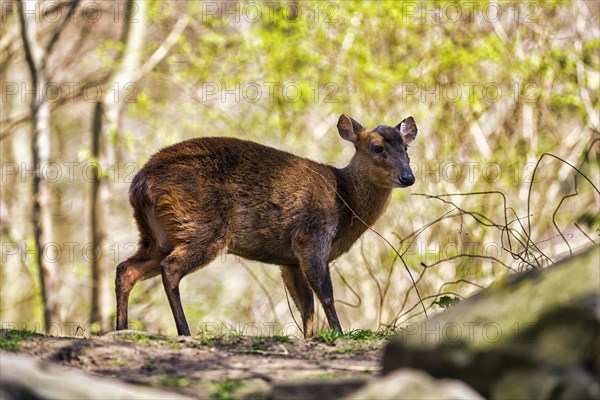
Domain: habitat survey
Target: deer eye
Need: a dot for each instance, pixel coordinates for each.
(375, 148)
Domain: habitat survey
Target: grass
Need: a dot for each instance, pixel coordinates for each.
(175, 346)
(224, 390)
(140, 337)
(10, 340)
(206, 341)
(325, 376)
(259, 342)
(229, 338)
(149, 366)
(263, 342)
(345, 349)
(119, 362)
(174, 381)
(144, 338)
(357, 334)
(278, 338)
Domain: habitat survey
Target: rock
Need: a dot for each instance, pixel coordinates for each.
(531, 335)
(545, 384)
(27, 378)
(327, 389)
(413, 384)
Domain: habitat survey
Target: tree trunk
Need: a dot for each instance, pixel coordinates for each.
(126, 72)
(98, 267)
(107, 123)
(41, 218)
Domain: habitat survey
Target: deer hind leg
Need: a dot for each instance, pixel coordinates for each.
(302, 295)
(140, 266)
(183, 260)
(144, 264)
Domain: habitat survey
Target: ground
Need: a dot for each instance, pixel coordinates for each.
(220, 367)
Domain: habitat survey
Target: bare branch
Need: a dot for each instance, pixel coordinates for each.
(29, 57)
(58, 31)
(165, 47)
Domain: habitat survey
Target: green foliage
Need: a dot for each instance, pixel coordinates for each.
(174, 381)
(142, 338)
(262, 343)
(225, 390)
(206, 341)
(376, 62)
(591, 220)
(119, 362)
(348, 349)
(446, 301)
(277, 338)
(11, 339)
(357, 334)
(149, 366)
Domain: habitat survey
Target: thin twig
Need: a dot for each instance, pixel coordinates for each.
(372, 230)
(345, 282)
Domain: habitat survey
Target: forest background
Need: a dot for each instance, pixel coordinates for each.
(505, 95)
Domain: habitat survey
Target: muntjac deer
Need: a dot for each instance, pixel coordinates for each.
(196, 198)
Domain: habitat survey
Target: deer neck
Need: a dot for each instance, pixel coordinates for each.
(366, 200)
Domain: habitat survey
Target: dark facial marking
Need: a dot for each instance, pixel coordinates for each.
(390, 135)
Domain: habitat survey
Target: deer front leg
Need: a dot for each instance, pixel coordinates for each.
(313, 251)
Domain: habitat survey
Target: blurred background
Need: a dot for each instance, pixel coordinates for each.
(505, 95)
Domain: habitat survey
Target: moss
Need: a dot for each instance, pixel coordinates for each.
(263, 342)
(141, 337)
(225, 390)
(330, 336)
(509, 306)
(174, 381)
(119, 362)
(10, 340)
(351, 348)
(149, 366)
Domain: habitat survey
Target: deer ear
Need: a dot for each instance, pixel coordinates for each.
(349, 128)
(408, 129)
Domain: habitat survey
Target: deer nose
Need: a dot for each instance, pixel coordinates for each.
(406, 178)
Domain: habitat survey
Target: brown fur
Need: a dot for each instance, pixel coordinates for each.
(196, 198)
